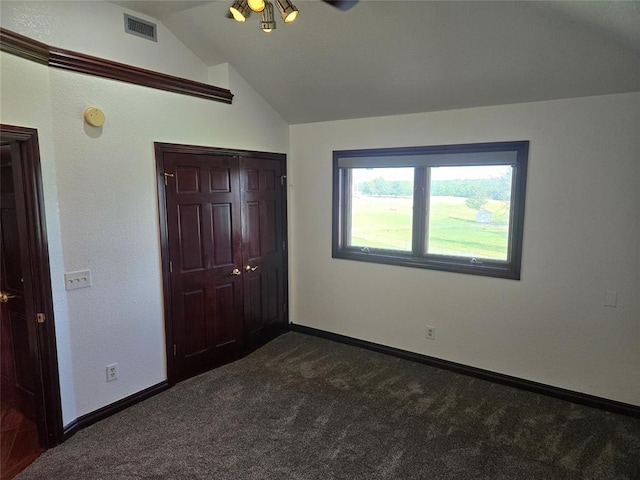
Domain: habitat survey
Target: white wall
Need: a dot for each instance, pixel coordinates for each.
(25, 100)
(582, 229)
(97, 28)
(581, 238)
(101, 201)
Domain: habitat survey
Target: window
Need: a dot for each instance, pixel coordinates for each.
(458, 208)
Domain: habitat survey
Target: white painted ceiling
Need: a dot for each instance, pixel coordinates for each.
(393, 57)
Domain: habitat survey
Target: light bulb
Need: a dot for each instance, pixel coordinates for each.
(291, 17)
(256, 5)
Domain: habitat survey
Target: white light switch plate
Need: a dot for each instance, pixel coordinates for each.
(74, 280)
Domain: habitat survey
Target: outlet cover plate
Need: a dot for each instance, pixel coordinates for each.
(431, 333)
(112, 372)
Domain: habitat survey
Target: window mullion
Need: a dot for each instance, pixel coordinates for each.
(346, 195)
(425, 213)
(419, 211)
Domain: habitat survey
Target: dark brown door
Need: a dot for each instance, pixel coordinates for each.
(29, 373)
(263, 249)
(18, 333)
(222, 224)
(203, 208)
(20, 422)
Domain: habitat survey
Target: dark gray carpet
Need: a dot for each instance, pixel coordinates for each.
(304, 408)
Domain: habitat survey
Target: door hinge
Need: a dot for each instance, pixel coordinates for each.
(284, 308)
(170, 266)
(175, 350)
(283, 180)
(166, 176)
(40, 317)
(284, 245)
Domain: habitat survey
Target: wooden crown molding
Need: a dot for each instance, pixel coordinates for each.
(39, 52)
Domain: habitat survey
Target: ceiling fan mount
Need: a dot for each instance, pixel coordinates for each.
(343, 5)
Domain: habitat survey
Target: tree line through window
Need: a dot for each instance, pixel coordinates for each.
(458, 208)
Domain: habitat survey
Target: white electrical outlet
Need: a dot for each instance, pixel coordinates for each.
(431, 333)
(611, 299)
(112, 372)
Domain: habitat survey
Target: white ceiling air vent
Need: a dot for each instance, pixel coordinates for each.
(140, 28)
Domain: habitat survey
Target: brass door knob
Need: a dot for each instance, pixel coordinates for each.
(249, 268)
(4, 297)
(236, 272)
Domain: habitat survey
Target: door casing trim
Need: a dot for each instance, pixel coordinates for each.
(49, 405)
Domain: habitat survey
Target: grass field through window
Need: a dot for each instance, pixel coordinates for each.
(386, 222)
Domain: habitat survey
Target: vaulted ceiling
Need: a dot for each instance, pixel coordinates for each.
(393, 57)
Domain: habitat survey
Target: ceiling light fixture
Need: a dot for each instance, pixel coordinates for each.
(242, 8)
(288, 11)
(268, 21)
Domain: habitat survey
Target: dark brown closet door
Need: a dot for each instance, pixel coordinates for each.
(263, 249)
(223, 232)
(204, 240)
